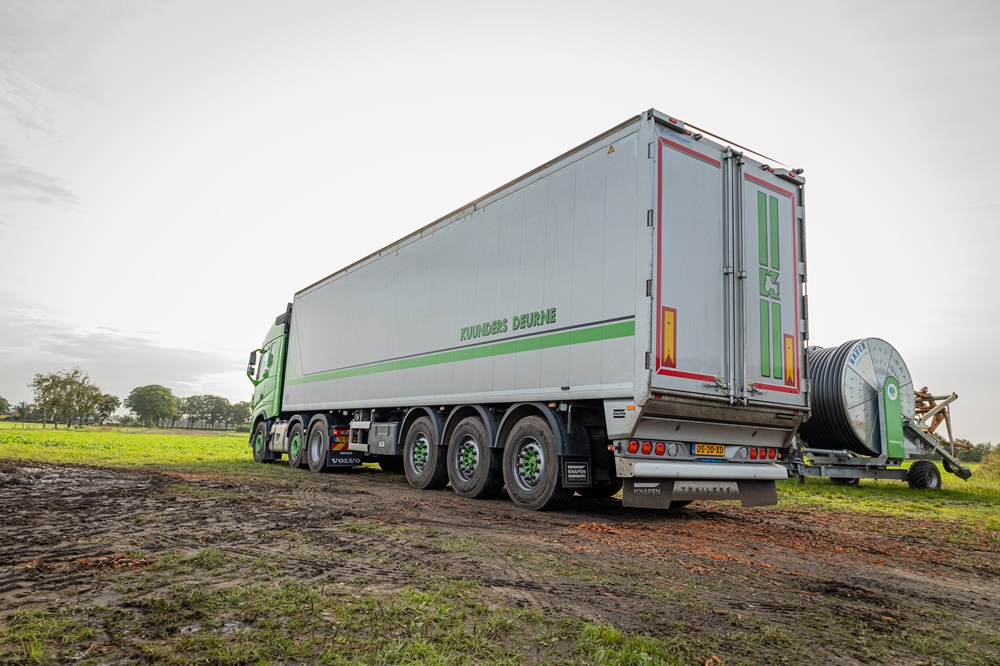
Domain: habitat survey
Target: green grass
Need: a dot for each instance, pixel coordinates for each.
(974, 502)
(224, 452)
(443, 621)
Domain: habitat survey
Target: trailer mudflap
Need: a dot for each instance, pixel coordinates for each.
(659, 493)
(576, 473)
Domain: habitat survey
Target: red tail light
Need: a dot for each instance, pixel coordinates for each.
(660, 448)
(647, 448)
(771, 453)
(753, 453)
(633, 447)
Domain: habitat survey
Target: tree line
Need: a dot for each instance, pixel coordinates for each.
(70, 397)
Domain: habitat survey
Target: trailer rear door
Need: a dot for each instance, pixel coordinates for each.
(692, 311)
(771, 308)
(727, 319)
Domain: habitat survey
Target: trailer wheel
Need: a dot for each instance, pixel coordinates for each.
(474, 468)
(296, 447)
(841, 481)
(679, 504)
(423, 460)
(924, 474)
(531, 466)
(261, 451)
(317, 447)
(604, 490)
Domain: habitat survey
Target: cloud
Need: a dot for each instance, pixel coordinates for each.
(46, 54)
(22, 183)
(33, 341)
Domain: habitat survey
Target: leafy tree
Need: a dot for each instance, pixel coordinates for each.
(4, 406)
(239, 414)
(51, 395)
(194, 409)
(82, 397)
(977, 453)
(107, 406)
(152, 404)
(66, 394)
(22, 409)
(217, 409)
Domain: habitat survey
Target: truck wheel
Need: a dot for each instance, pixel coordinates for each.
(840, 481)
(474, 468)
(423, 460)
(317, 447)
(531, 466)
(261, 451)
(924, 474)
(296, 447)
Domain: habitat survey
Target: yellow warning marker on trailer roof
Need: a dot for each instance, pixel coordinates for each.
(611, 149)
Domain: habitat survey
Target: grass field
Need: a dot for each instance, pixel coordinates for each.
(169, 450)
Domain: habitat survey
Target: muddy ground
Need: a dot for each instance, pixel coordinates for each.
(812, 586)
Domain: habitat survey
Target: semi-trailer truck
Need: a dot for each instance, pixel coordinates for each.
(630, 316)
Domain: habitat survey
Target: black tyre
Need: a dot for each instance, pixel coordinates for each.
(423, 460)
(393, 465)
(531, 466)
(841, 481)
(474, 468)
(680, 504)
(924, 474)
(603, 490)
(317, 450)
(296, 447)
(261, 451)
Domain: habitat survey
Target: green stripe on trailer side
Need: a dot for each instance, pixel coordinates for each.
(623, 329)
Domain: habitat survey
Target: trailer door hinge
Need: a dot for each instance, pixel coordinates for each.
(649, 287)
(649, 360)
(649, 217)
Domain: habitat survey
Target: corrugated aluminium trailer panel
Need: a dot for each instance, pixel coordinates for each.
(439, 317)
(534, 289)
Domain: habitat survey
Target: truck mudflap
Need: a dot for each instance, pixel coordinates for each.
(655, 485)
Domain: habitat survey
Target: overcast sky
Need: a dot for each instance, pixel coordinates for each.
(172, 172)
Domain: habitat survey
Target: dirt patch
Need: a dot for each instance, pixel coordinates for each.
(774, 584)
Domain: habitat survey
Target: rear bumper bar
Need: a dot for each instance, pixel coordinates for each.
(654, 469)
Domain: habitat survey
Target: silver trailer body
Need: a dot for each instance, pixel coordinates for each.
(652, 268)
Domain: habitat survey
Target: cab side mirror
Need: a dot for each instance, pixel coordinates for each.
(253, 365)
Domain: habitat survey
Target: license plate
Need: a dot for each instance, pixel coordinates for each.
(709, 450)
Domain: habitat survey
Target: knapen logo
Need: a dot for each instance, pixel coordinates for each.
(891, 392)
(777, 350)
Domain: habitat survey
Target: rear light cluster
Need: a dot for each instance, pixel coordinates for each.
(763, 453)
(339, 436)
(648, 448)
